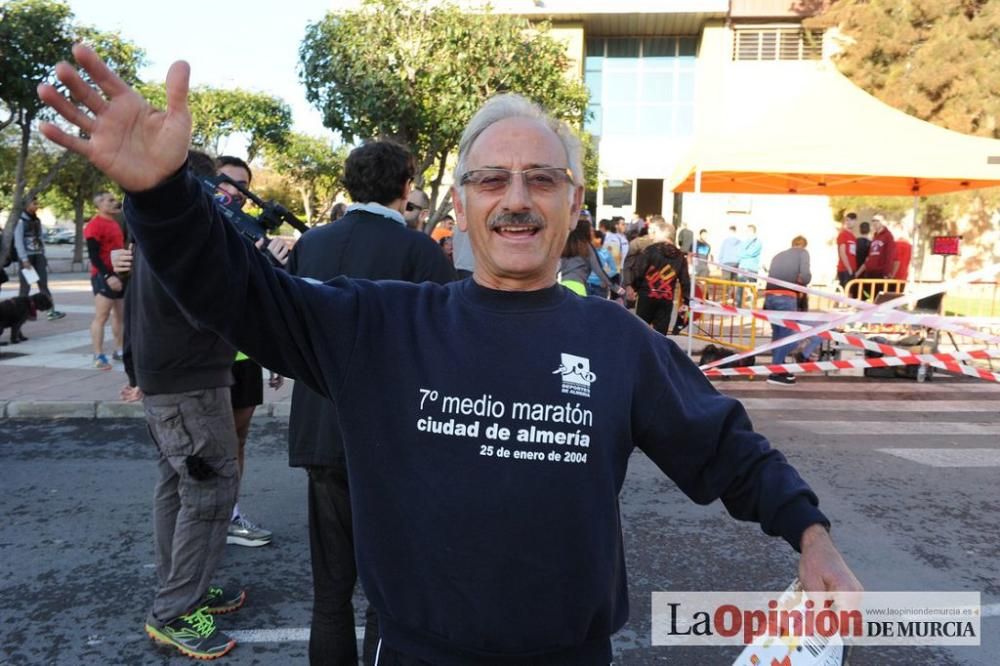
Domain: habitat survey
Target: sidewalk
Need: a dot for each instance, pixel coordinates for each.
(52, 374)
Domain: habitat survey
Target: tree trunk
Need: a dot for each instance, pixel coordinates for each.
(78, 203)
(307, 204)
(24, 122)
(436, 184)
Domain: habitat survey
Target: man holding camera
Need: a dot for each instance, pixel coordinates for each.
(477, 541)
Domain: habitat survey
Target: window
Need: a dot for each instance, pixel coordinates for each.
(777, 44)
(618, 193)
(641, 86)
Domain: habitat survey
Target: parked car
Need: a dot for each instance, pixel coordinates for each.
(61, 236)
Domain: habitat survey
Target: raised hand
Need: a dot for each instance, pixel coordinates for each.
(134, 144)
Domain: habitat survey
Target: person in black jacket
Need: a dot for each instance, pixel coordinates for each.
(371, 241)
(657, 275)
(181, 371)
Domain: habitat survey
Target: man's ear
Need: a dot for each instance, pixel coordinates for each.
(456, 201)
(407, 188)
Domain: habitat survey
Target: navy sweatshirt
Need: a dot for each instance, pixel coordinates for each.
(486, 440)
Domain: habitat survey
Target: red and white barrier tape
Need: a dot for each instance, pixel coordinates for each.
(948, 362)
(777, 317)
(867, 312)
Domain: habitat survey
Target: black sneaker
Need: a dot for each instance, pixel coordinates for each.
(219, 601)
(781, 380)
(194, 634)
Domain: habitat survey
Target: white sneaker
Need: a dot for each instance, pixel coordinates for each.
(243, 532)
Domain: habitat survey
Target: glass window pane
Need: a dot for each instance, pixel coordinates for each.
(655, 119)
(685, 87)
(618, 193)
(594, 81)
(619, 120)
(684, 120)
(621, 87)
(593, 123)
(658, 87)
(595, 47)
(687, 46)
(593, 63)
(659, 47)
(623, 48)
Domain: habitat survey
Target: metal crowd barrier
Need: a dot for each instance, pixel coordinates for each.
(738, 332)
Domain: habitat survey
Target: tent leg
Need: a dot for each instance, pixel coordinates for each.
(915, 239)
(690, 336)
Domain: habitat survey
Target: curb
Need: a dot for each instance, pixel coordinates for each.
(109, 409)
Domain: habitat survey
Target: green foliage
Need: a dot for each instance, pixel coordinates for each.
(218, 113)
(934, 59)
(312, 167)
(418, 71)
(34, 36)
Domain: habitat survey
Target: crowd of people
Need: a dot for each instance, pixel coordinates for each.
(474, 544)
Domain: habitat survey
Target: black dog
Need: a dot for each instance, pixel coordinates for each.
(15, 311)
(712, 353)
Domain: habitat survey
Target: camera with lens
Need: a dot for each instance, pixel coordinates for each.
(272, 214)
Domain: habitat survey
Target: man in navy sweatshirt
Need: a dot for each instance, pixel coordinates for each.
(486, 444)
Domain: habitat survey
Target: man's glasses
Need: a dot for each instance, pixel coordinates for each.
(540, 180)
(410, 207)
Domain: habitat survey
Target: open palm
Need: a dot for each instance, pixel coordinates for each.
(134, 144)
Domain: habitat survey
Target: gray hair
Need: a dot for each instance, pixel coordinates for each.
(502, 107)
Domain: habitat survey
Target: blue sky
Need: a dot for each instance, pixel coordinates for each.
(251, 44)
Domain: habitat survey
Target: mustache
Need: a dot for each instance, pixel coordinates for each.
(516, 219)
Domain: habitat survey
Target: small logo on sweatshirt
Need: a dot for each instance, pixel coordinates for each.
(576, 375)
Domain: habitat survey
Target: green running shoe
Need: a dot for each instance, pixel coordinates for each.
(194, 635)
(219, 601)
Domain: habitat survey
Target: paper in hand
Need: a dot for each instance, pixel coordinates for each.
(30, 274)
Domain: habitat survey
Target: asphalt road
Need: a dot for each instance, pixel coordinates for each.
(76, 570)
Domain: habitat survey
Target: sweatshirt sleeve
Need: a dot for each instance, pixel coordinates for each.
(22, 251)
(94, 252)
(302, 329)
(705, 443)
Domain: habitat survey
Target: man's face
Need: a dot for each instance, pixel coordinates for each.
(878, 223)
(517, 233)
(620, 225)
(851, 223)
(751, 232)
(238, 174)
(109, 205)
(416, 209)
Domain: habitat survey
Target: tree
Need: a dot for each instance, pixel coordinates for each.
(34, 36)
(418, 71)
(936, 60)
(218, 113)
(933, 59)
(313, 167)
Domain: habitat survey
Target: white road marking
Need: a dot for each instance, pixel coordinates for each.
(289, 635)
(949, 458)
(881, 406)
(895, 427)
